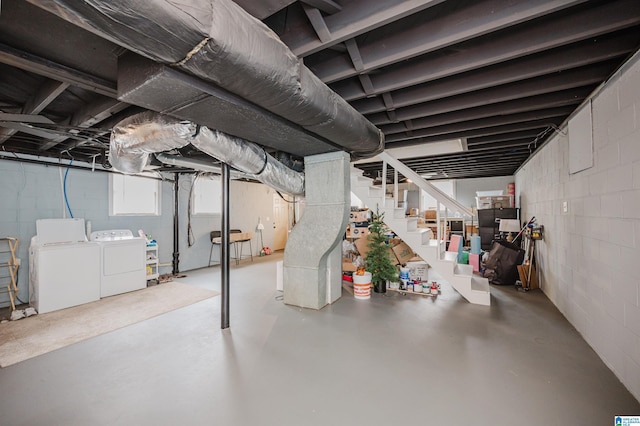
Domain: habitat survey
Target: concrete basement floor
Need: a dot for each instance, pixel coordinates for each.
(391, 360)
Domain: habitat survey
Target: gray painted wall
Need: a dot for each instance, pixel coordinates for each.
(30, 192)
(588, 261)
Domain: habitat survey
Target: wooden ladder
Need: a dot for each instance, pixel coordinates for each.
(9, 264)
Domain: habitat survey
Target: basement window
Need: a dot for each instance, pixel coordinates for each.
(133, 195)
(207, 195)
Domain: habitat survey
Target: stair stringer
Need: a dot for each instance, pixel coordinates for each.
(472, 287)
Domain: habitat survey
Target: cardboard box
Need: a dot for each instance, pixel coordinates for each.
(360, 216)
(430, 214)
(403, 252)
(348, 266)
(359, 232)
(362, 245)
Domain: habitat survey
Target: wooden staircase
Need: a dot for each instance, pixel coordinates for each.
(472, 287)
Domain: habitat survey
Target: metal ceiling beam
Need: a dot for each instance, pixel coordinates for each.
(488, 132)
(354, 54)
(87, 116)
(503, 137)
(468, 130)
(44, 67)
(318, 24)
(471, 167)
(45, 94)
(466, 156)
(561, 59)
(437, 32)
(356, 17)
(557, 31)
(510, 98)
(505, 142)
(327, 6)
(515, 111)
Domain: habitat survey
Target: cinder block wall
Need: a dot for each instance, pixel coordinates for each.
(29, 192)
(590, 257)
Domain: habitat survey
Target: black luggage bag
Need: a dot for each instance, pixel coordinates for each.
(502, 263)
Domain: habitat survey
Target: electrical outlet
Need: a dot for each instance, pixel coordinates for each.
(565, 207)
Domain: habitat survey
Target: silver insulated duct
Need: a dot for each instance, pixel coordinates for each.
(135, 138)
(217, 41)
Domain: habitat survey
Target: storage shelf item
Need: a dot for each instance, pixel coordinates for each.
(9, 264)
(489, 224)
(152, 262)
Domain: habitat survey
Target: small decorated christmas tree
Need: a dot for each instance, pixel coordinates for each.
(378, 261)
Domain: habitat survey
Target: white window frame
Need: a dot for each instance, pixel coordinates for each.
(124, 203)
(206, 196)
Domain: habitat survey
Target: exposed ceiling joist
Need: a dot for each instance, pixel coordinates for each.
(45, 94)
(486, 51)
(546, 90)
(553, 61)
(315, 17)
(438, 32)
(327, 6)
(355, 18)
(508, 108)
(54, 71)
(88, 116)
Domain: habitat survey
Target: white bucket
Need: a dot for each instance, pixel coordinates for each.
(362, 286)
(417, 287)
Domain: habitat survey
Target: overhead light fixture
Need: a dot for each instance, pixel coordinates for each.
(449, 146)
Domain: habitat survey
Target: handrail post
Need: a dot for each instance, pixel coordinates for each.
(438, 230)
(384, 183)
(395, 186)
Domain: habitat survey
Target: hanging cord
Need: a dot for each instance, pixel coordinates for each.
(64, 190)
(288, 201)
(541, 135)
(190, 237)
(63, 184)
(294, 201)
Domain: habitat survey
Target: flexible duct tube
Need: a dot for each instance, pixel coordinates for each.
(135, 138)
(195, 164)
(218, 41)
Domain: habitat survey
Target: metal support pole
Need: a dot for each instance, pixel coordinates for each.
(176, 226)
(224, 250)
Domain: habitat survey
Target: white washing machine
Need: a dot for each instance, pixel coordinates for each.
(123, 261)
(64, 269)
